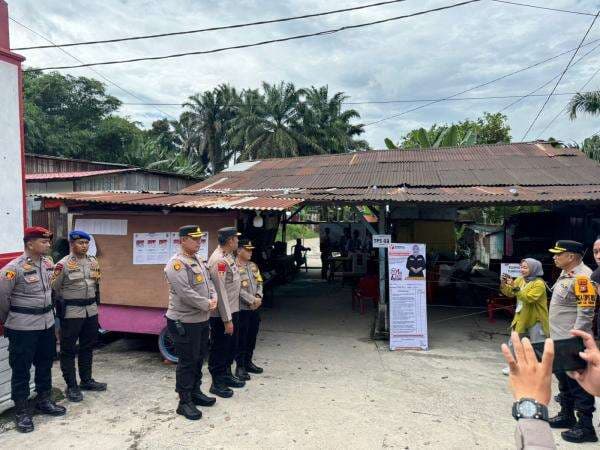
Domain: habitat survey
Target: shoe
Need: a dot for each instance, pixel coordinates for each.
(74, 394)
(564, 419)
(23, 419)
(92, 385)
(48, 407)
(220, 390)
(187, 408)
(240, 373)
(582, 432)
(232, 381)
(201, 399)
(253, 368)
(506, 371)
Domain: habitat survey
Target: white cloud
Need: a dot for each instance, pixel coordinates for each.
(429, 56)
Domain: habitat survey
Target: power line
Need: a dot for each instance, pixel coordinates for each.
(92, 69)
(560, 78)
(225, 27)
(539, 63)
(261, 43)
(582, 13)
(510, 105)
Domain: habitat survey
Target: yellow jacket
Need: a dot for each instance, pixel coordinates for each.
(533, 297)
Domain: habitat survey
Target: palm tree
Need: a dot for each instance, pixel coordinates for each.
(325, 121)
(588, 102)
(246, 125)
(211, 113)
(435, 137)
(278, 132)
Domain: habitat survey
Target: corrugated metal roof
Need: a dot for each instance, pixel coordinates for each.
(194, 201)
(72, 175)
(527, 164)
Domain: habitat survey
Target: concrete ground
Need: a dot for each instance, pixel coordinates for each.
(326, 385)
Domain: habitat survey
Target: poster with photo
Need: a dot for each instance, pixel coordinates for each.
(151, 248)
(408, 296)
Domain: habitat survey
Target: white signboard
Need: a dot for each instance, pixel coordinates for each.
(382, 240)
(514, 270)
(408, 296)
(157, 248)
(114, 227)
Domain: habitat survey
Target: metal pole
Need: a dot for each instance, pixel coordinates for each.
(381, 324)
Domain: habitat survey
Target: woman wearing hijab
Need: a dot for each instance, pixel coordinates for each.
(531, 312)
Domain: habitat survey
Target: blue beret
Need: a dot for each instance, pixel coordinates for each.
(77, 234)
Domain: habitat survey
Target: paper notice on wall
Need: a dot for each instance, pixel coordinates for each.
(203, 252)
(408, 296)
(151, 248)
(114, 227)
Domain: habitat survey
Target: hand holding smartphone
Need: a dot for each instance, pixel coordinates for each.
(566, 354)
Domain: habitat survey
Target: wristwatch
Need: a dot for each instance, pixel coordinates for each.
(528, 408)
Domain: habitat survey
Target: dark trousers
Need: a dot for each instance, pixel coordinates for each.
(191, 349)
(37, 347)
(244, 322)
(573, 396)
(324, 265)
(86, 331)
(253, 327)
(223, 346)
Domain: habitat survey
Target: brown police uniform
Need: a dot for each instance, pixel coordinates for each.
(251, 291)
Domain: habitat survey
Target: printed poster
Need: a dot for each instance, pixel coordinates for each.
(202, 252)
(512, 269)
(408, 296)
(157, 248)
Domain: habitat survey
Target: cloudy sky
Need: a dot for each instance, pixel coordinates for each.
(425, 57)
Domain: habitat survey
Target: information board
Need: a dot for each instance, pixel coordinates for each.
(157, 248)
(382, 240)
(512, 269)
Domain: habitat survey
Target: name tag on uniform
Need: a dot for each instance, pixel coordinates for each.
(32, 278)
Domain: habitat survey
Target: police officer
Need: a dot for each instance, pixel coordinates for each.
(192, 296)
(27, 314)
(223, 322)
(572, 307)
(251, 296)
(75, 283)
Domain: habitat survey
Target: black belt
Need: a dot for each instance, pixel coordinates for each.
(32, 311)
(79, 302)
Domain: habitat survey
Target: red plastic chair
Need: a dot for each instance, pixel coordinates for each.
(366, 291)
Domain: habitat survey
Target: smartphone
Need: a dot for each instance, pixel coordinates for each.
(566, 354)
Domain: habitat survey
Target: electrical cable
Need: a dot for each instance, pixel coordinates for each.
(582, 13)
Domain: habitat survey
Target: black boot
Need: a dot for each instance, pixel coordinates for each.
(219, 388)
(187, 408)
(46, 405)
(230, 380)
(583, 431)
(564, 419)
(201, 399)
(74, 394)
(253, 368)
(92, 385)
(240, 372)
(23, 419)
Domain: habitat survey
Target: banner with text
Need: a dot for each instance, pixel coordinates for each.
(408, 296)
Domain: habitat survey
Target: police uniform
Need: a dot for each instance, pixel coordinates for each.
(572, 307)
(190, 292)
(28, 317)
(75, 283)
(223, 271)
(250, 294)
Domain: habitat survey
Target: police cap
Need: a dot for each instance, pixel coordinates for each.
(226, 233)
(245, 243)
(78, 234)
(36, 233)
(568, 246)
(193, 231)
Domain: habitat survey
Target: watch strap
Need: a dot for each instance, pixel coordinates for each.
(540, 414)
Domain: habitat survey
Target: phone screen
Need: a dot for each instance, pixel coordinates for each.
(566, 354)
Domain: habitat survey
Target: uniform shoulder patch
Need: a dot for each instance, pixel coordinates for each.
(177, 265)
(585, 292)
(222, 267)
(10, 274)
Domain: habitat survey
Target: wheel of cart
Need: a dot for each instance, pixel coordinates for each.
(166, 346)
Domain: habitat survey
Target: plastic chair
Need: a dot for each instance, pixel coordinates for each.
(367, 291)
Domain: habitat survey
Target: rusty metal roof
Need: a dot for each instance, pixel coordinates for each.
(524, 164)
(189, 201)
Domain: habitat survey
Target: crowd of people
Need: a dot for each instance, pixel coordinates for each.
(571, 314)
(213, 310)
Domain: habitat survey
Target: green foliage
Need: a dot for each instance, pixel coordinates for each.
(591, 147)
(489, 129)
(295, 231)
(588, 102)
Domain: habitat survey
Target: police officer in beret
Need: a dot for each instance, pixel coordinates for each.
(27, 314)
(251, 296)
(75, 283)
(223, 321)
(192, 297)
(572, 307)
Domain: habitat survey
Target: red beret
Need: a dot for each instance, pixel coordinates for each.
(37, 232)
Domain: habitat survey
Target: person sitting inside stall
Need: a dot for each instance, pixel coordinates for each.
(299, 256)
(531, 311)
(354, 245)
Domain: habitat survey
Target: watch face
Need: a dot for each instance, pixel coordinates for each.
(527, 409)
